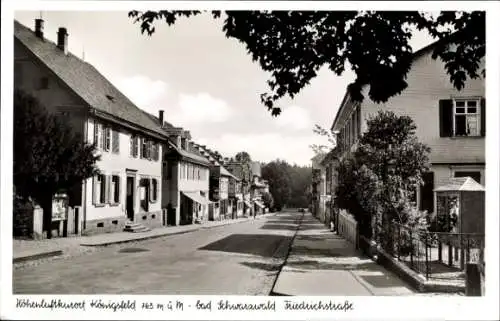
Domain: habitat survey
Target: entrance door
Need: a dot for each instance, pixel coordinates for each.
(130, 198)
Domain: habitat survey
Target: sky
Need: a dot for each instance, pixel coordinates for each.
(205, 82)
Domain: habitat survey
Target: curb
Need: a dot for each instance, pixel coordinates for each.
(272, 292)
(163, 235)
(37, 256)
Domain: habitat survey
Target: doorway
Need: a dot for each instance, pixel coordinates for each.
(130, 198)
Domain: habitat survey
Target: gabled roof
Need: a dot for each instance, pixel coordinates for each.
(461, 184)
(190, 156)
(216, 163)
(86, 81)
(416, 55)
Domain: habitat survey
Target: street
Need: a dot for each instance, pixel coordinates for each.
(236, 259)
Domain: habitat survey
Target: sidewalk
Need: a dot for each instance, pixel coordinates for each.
(323, 263)
(26, 250)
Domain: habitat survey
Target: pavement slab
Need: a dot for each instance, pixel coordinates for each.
(323, 263)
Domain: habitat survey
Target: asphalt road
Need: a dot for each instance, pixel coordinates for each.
(236, 259)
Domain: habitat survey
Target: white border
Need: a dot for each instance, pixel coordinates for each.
(378, 307)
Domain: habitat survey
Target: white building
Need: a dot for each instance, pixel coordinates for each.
(128, 139)
(451, 122)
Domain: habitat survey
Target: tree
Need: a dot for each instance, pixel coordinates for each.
(278, 176)
(48, 155)
(382, 175)
(294, 45)
(268, 200)
(300, 179)
(319, 149)
(245, 162)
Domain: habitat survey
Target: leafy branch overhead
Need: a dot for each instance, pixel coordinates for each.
(294, 45)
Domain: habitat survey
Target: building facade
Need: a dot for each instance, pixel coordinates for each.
(129, 185)
(451, 122)
(186, 180)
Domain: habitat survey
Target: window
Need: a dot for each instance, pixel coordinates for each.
(154, 151)
(115, 142)
(134, 146)
(144, 148)
(107, 138)
(144, 193)
(462, 117)
(476, 175)
(466, 118)
(99, 190)
(154, 190)
(115, 189)
(98, 135)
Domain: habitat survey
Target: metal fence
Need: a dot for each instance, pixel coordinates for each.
(435, 255)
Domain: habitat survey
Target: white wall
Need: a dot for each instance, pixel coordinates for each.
(427, 84)
(111, 163)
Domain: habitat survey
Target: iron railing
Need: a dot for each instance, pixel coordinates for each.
(436, 255)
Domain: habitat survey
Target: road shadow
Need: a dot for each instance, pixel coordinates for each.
(323, 252)
(287, 227)
(265, 245)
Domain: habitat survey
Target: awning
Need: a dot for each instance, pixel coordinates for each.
(195, 196)
(259, 204)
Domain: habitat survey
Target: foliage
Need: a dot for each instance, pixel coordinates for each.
(331, 139)
(245, 161)
(294, 45)
(48, 155)
(268, 200)
(377, 179)
(278, 175)
(300, 180)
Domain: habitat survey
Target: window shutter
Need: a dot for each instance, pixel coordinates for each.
(102, 137)
(94, 190)
(118, 189)
(483, 117)
(107, 189)
(151, 190)
(115, 141)
(96, 133)
(107, 138)
(131, 145)
(446, 118)
(141, 149)
(136, 146)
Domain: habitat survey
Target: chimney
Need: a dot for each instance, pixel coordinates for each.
(62, 40)
(39, 28)
(161, 116)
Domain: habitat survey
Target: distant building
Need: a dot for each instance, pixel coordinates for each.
(186, 176)
(219, 185)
